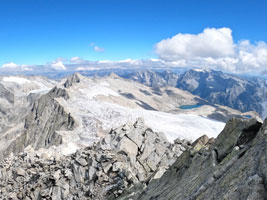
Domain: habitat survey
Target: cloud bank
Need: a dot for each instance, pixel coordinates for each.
(9, 67)
(215, 43)
(214, 48)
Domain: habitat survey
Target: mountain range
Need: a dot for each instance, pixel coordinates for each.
(137, 137)
(76, 111)
(241, 93)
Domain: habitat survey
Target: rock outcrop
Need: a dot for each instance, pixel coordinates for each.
(132, 155)
(17, 94)
(231, 167)
(45, 118)
(75, 78)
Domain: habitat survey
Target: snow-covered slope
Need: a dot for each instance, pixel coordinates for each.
(79, 110)
(98, 105)
(25, 85)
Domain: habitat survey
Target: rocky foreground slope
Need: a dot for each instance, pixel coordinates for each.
(129, 156)
(234, 166)
(130, 161)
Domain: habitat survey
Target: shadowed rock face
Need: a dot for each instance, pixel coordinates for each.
(17, 95)
(45, 118)
(234, 166)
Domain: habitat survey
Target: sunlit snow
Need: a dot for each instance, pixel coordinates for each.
(14, 79)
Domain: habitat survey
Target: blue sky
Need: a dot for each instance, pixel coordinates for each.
(39, 31)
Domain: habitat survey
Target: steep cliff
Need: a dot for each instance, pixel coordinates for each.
(46, 117)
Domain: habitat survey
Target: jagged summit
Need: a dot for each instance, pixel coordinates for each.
(114, 76)
(75, 78)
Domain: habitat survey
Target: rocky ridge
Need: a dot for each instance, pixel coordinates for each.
(131, 155)
(153, 79)
(45, 118)
(17, 95)
(231, 167)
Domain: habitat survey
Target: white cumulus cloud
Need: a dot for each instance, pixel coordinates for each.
(252, 56)
(98, 49)
(10, 65)
(77, 60)
(212, 42)
(15, 67)
(214, 48)
(58, 65)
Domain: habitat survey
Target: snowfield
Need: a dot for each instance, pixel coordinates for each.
(15, 79)
(95, 118)
(185, 126)
(27, 85)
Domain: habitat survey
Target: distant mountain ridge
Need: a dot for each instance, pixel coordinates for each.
(154, 79)
(244, 94)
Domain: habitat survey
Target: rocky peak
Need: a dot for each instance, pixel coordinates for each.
(114, 76)
(46, 117)
(75, 78)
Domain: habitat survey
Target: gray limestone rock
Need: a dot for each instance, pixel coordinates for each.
(46, 117)
(91, 173)
(233, 166)
(128, 146)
